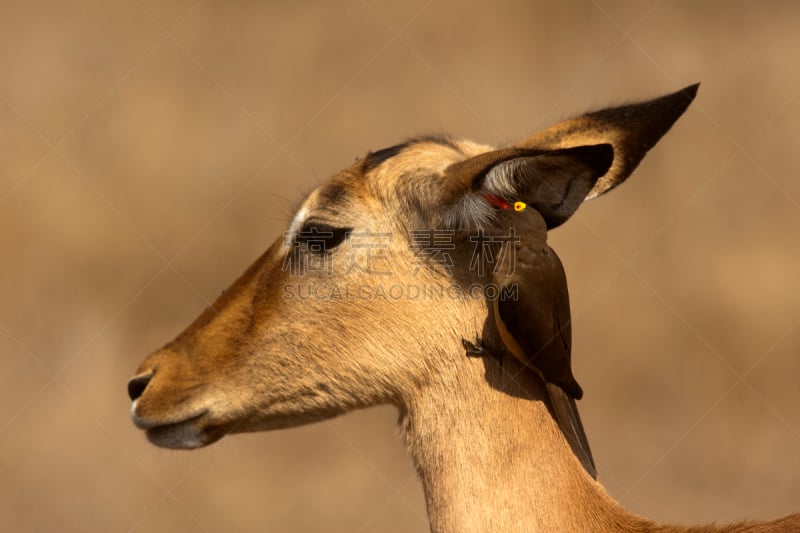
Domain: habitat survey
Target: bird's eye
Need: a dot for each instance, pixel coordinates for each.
(321, 238)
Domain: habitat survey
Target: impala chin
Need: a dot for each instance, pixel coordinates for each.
(181, 436)
(180, 432)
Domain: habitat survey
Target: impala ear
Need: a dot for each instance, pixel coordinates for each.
(558, 168)
(630, 129)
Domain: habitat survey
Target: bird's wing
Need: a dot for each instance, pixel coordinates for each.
(537, 316)
(536, 328)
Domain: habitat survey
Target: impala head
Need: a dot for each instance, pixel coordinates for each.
(368, 294)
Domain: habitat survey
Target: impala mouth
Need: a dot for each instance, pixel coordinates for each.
(183, 434)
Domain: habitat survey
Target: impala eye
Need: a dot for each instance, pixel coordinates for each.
(321, 238)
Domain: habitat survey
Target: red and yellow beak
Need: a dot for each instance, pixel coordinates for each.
(502, 203)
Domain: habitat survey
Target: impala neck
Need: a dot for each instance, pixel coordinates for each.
(492, 458)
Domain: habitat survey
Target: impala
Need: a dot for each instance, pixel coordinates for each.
(385, 274)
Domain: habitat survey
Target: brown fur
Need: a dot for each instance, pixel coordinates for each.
(488, 452)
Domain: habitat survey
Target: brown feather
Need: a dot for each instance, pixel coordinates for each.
(536, 326)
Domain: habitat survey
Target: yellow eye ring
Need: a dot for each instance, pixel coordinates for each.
(520, 206)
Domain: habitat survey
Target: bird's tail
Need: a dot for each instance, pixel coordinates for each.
(568, 419)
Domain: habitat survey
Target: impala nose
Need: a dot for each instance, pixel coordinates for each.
(137, 385)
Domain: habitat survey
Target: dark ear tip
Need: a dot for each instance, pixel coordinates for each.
(677, 102)
(691, 90)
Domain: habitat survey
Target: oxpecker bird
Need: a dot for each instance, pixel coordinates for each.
(535, 324)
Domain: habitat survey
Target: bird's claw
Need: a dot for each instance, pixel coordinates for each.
(477, 349)
(473, 350)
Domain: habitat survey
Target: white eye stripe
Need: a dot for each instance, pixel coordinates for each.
(297, 223)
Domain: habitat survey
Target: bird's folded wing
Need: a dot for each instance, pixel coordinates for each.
(568, 419)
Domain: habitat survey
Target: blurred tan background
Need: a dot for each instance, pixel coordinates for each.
(150, 150)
